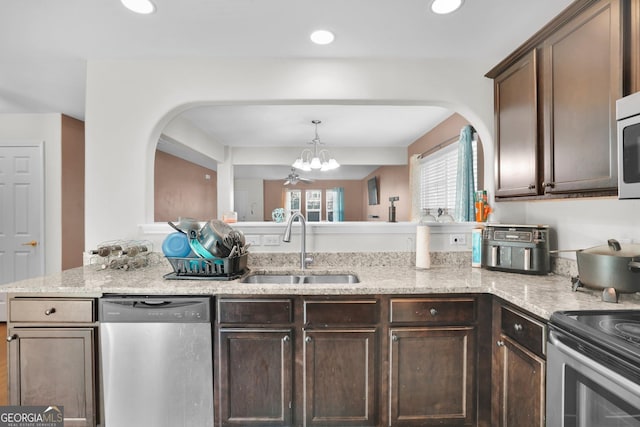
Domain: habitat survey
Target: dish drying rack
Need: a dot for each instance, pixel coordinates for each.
(215, 268)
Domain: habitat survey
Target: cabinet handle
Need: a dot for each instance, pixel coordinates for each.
(12, 337)
(433, 312)
(50, 311)
(286, 338)
(394, 338)
(307, 339)
(500, 343)
(548, 184)
(532, 186)
(517, 327)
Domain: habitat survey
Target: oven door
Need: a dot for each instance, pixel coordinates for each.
(582, 392)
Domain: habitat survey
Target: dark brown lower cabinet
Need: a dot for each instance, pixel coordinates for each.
(54, 366)
(519, 368)
(256, 377)
(432, 376)
(522, 390)
(340, 385)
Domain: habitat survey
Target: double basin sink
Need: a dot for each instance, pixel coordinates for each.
(299, 278)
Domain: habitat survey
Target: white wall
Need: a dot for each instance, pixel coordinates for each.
(248, 199)
(130, 102)
(580, 223)
(47, 128)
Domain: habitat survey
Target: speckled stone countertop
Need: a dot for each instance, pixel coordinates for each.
(541, 295)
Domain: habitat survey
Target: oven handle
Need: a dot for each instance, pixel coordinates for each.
(585, 361)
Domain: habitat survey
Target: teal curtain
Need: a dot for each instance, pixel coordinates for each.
(465, 186)
(338, 204)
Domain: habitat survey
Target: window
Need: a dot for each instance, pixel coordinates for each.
(313, 205)
(292, 202)
(438, 174)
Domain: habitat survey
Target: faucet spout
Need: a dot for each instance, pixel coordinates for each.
(304, 260)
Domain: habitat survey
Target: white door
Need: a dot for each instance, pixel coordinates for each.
(21, 211)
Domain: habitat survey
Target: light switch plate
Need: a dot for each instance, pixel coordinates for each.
(254, 239)
(271, 240)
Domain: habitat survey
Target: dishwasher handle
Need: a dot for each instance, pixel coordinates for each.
(152, 303)
(154, 310)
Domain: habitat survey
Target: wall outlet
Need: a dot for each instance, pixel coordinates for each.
(271, 240)
(458, 239)
(254, 239)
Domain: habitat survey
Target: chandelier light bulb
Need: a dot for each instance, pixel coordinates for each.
(316, 163)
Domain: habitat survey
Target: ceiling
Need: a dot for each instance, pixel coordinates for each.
(46, 44)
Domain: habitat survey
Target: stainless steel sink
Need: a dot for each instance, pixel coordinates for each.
(330, 278)
(294, 279)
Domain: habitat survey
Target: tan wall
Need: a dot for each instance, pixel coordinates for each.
(274, 196)
(392, 181)
(449, 128)
(72, 181)
(181, 190)
(395, 181)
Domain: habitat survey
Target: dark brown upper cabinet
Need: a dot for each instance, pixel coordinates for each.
(516, 115)
(555, 104)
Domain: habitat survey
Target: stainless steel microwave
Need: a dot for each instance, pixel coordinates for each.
(628, 118)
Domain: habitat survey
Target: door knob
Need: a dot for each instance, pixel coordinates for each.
(31, 243)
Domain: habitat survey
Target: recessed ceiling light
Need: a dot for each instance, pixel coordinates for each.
(443, 7)
(144, 7)
(322, 37)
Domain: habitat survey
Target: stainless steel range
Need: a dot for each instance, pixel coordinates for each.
(593, 369)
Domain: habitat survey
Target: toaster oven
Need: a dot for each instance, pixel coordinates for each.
(516, 248)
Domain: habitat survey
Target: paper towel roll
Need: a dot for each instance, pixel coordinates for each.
(423, 258)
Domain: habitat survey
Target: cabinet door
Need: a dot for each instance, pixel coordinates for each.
(516, 107)
(582, 81)
(521, 385)
(255, 377)
(54, 366)
(340, 378)
(432, 376)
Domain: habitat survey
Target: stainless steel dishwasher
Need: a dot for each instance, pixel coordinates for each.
(156, 361)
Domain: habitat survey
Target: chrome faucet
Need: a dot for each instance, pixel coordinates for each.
(304, 259)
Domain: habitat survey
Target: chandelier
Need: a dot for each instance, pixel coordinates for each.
(314, 158)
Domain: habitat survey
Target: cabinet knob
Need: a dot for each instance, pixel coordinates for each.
(394, 338)
(500, 343)
(307, 339)
(50, 311)
(286, 338)
(517, 327)
(548, 184)
(12, 337)
(433, 312)
(532, 186)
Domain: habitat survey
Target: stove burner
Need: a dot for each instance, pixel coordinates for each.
(628, 330)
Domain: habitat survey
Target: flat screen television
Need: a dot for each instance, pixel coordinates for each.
(372, 186)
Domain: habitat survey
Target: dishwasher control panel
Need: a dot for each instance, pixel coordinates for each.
(154, 309)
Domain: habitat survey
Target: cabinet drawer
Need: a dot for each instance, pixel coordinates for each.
(268, 311)
(524, 330)
(347, 312)
(51, 310)
(433, 310)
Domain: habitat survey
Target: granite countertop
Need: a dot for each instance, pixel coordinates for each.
(541, 295)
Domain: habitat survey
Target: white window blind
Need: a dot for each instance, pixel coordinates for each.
(438, 175)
